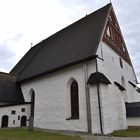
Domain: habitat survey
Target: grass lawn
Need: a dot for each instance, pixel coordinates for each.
(24, 134)
(127, 133)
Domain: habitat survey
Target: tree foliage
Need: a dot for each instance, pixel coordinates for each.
(138, 89)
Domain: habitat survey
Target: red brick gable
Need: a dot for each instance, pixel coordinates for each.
(113, 37)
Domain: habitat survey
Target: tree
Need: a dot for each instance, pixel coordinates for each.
(138, 89)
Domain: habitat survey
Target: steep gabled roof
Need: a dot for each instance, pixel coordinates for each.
(9, 90)
(74, 44)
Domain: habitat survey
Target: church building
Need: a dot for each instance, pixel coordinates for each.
(79, 79)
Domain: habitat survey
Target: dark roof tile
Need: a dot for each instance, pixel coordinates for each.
(9, 90)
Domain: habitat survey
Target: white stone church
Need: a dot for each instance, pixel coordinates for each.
(79, 79)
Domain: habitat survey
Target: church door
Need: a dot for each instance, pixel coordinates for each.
(23, 121)
(4, 121)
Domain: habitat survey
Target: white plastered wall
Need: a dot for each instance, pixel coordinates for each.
(52, 106)
(15, 117)
(112, 98)
(111, 68)
(133, 121)
(94, 110)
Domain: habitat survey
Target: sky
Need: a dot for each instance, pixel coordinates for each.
(24, 23)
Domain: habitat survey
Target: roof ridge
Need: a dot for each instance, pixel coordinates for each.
(105, 22)
(63, 29)
(7, 74)
(4, 73)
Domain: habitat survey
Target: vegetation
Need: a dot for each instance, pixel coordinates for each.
(127, 133)
(24, 134)
(138, 89)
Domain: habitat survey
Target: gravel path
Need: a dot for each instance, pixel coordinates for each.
(90, 137)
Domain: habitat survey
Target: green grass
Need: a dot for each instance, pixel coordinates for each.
(24, 134)
(127, 133)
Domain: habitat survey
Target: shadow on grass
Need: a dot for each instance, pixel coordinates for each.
(127, 133)
(24, 134)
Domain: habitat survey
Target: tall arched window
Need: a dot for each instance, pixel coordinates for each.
(123, 81)
(74, 100)
(121, 64)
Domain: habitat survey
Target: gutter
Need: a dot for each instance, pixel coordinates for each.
(99, 102)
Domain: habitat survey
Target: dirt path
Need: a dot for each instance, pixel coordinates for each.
(88, 137)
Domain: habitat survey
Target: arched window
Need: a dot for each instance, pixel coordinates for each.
(74, 100)
(121, 64)
(123, 81)
(4, 122)
(108, 31)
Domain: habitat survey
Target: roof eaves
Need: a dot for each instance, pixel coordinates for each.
(15, 104)
(97, 77)
(58, 68)
(119, 86)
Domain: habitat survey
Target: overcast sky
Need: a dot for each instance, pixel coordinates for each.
(23, 22)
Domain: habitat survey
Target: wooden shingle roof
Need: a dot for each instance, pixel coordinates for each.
(9, 90)
(73, 44)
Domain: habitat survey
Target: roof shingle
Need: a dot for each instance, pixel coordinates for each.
(9, 90)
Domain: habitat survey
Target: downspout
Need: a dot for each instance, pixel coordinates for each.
(89, 122)
(99, 102)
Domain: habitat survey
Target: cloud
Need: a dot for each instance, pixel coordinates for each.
(23, 22)
(5, 57)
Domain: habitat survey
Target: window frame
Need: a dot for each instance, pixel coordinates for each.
(74, 100)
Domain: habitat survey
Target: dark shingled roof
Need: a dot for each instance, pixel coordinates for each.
(74, 44)
(133, 109)
(98, 77)
(9, 90)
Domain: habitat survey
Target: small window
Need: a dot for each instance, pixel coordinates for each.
(22, 109)
(13, 112)
(123, 82)
(123, 47)
(121, 64)
(108, 31)
(18, 117)
(116, 25)
(110, 18)
(13, 121)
